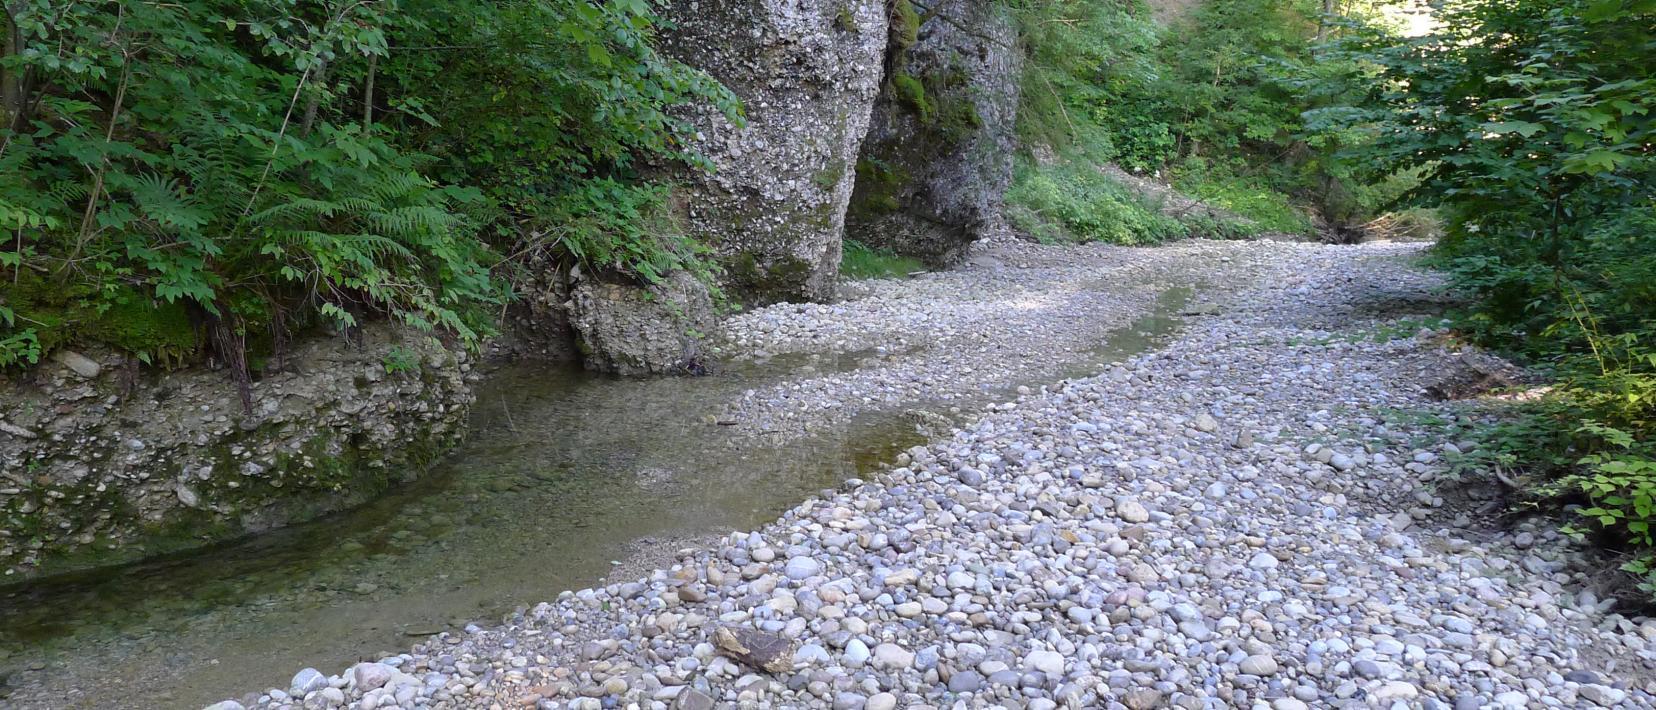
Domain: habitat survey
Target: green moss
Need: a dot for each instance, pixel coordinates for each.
(905, 26)
(829, 176)
(778, 280)
(162, 331)
(122, 317)
(879, 188)
(845, 20)
(911, 94)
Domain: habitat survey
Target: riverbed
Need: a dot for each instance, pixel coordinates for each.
(569, 479)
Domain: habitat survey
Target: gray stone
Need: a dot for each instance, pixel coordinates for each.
(1048, 662)
(80, 364)
(1603, 695)
(1258, 664)
(881, 701)
(933, 172)
(807, 73)
(890, 656)
(693, 699)
(856, 652)
(627, 329)
(1132, 511)
(368, 676)
(802, 568)
(306, 681)
(965, 682)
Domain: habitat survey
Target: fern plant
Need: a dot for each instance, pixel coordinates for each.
(256, 167)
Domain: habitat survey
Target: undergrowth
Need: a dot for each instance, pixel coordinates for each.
(1536, 152)
(1073, 201)
(860, 261)
(245, 170)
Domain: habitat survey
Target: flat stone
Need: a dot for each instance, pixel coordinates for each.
(965, 682)
(693, 699)
(799, 568)
(757, 649)
(79, 364)
(1258, 664)
(1048, 662)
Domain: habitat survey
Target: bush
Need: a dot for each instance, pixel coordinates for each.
(1536, 149)
(1074, 201)
(860, 261)
(268, 166)
(1268, 209)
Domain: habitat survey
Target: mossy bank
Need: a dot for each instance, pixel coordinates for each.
(103, 462)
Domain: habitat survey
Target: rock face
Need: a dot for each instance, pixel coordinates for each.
(937, 161)
(537, 326)
(101, 463)
(807, 72)
(631, 330)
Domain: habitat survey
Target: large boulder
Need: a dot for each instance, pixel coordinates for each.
(934, 169)
(807, 72)
(627, 329)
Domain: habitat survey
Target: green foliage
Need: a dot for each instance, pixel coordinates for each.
(18, 346)
(1253, 199)
(269, 165)
(608, 225)
(400, 359)
(1530, 127)
(1216, 98)
(1077, 52)
(1074, 201)
(860, 261)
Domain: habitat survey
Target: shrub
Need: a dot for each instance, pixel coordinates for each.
(265, 166)
(1074, 201)
(1529, 126)
(860, 261)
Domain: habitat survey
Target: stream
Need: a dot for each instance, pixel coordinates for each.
(567, 479)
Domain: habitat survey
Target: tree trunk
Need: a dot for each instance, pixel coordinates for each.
(368, 93)
(11, 82)
(315, 98)
(1322, 20)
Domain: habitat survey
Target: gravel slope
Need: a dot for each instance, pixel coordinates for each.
(1244, 518)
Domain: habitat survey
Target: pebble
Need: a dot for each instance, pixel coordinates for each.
(1258, 664)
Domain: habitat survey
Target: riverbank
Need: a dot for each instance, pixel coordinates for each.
(566, 473)
(1255, 513)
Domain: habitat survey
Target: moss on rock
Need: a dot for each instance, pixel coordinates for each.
(777, 279)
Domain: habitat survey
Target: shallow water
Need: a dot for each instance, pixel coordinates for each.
(564, 473)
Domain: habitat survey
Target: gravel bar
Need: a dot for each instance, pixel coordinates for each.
(1248, 516)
